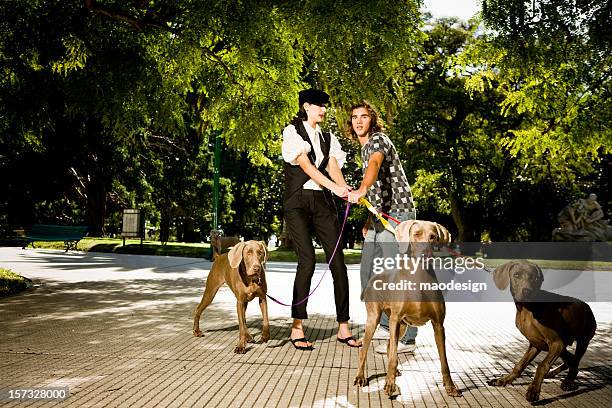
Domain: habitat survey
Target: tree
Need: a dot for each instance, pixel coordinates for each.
(86, 85)
(74, 93)
(449, 139)
(453, 136)
(553, 61)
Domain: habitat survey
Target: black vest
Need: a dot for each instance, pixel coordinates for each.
(294, 175)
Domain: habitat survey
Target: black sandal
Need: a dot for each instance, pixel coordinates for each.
(303, 340)
(346, 341)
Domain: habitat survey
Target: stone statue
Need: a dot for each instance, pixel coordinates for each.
(582, 220)
(593, 221)
(570, 217)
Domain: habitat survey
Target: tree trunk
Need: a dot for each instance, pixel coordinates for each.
(96, 206)
(164, 225)
(189, 234)
(464, 220)
(459, 212)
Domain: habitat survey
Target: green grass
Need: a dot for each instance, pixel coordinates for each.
(132, 246)
(351, 256)
(192, 250)
(11, 283)
(554, 264)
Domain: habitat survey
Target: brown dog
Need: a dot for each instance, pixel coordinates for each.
(219, 243)
(549, 321)
(416, 311)
(243, 269)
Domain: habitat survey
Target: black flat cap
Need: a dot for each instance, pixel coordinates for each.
(314, 96)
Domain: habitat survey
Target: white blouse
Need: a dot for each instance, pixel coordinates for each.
(294, 145)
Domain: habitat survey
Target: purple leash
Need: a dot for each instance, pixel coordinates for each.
(346, 213)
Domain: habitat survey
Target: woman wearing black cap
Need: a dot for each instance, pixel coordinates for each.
(312, 160)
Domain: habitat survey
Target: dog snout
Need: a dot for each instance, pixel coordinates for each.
(254, 271)
(526, 293)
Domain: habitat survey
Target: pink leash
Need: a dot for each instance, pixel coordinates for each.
(346, 213)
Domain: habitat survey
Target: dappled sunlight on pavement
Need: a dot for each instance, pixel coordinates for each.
(117, 329)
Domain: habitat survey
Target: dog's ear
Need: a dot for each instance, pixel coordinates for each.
(402, 234)
(265, 251)
(235, 255)
(444, 237)
(501, 276)
(540, 274)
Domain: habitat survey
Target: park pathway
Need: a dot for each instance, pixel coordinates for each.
(116, 330)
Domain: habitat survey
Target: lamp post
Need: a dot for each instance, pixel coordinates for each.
(217, 164)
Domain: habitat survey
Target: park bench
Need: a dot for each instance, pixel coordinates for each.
(71, 235)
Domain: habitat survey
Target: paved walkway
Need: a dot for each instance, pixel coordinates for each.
(116, 329)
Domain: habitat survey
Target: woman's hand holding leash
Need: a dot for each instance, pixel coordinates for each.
(355, 195)
(340, 191)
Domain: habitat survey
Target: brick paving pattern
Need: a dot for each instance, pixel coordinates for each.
(116, 329)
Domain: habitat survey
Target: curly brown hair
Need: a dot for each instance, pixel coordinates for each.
(376, 124)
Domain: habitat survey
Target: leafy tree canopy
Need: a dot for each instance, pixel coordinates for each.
(96, 86)
(553, 62)
(140, 66)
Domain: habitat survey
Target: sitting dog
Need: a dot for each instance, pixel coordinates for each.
(243, 270)
(549, 321)
(219, 243)
(414, 309)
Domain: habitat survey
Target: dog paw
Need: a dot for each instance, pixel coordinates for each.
(533, 394)
(240, 350)
(198, 333)
(391, 388)
(360, 381)
(453, 391)
(568, 385)
(264, 339)
(498, 382)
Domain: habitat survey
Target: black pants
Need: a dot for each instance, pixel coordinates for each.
(306, 212)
